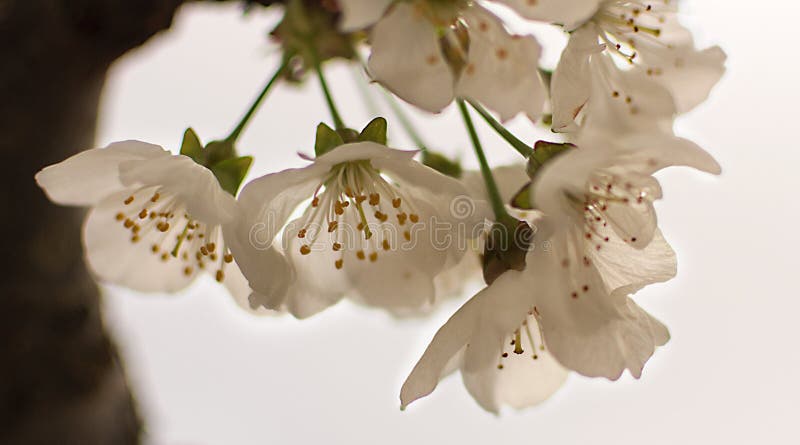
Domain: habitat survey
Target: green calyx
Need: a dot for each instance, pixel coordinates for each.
(507, 245)
(544, 152)
(328, 138)
(220, 157)
(309, 35)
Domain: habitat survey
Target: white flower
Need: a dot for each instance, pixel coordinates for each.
(495, 341)
(604, 245)
(155, 219)
(634, 57)
(378, 228)
(428, 52)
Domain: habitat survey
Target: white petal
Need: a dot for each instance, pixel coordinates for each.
(625, 270)
(358, 14)
(113, 258)
(357, 151)
(586, 329)
(657, 150)
(407, 59)
(265, 205)
(449, 340)
(502, 70)
(87, 177)
(627, 101)
(565, 12)
(193, 184)
(572, 79)
(523, 381)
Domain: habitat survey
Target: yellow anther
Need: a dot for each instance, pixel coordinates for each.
(360, 199)
(220, 276)
(374, 199)
(339, 263)
(135, 238)
(129, 200)
(164, 256)
(401, 218)
(360, 255)
(407, 235)
(373, 256)
(213, 257)
(211, 247)
(120, 216)
(304, 249)
(187, 271)
(155, 197)
(337, 247)
(203, 250)
(332, 226)
(153, 215)
(228, 258)
(380, 216)
(143, 214)
(414, 218)
(155, 248)
(386, 245)
(315, 202)
(136, 228)
(301, 233)
(198, 256)
(128, 224)
(396, 203)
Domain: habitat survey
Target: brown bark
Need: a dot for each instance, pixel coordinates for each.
(61, 380)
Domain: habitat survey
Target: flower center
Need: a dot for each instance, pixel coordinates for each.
(624, 26)
(523, 341)
(156, 217)
(359, 211)
(604, 189)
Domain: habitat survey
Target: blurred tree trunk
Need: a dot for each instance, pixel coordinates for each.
(61, 381)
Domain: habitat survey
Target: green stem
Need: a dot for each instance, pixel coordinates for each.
(337, 118)
(521, 147)
(256, 103)
(498, 206)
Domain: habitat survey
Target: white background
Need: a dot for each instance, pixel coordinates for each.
(205, 372)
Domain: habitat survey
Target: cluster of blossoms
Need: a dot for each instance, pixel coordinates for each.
(562, 240)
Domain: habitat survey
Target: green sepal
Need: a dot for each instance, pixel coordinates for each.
(442, 164)
(231, 172)
(506, 248)
(375, 131)
(523, 199)
(192, 147)
(218, 151)
(327, 140)
(543, 152)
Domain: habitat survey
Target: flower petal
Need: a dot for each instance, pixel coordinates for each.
(523, 381)
(114, 258)
(449, 340)
(192, 183)
(585, 328)
(625, 270)
(407, 59)
(565, 12)
(87, 177)
(571, 85)
(498, 58)
(265, 205)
